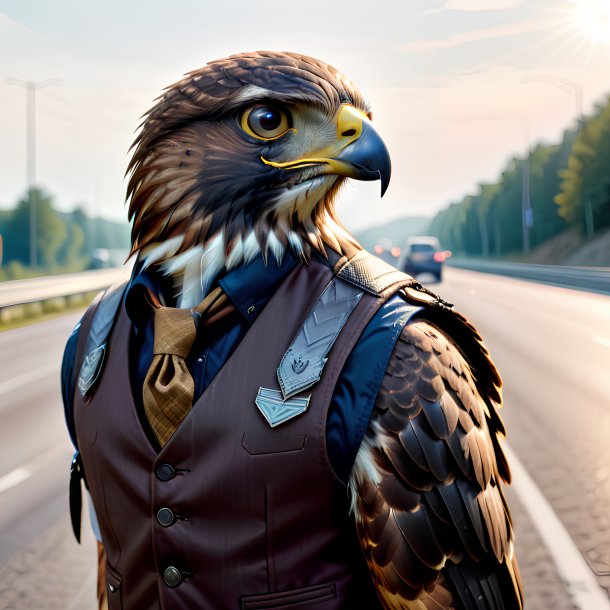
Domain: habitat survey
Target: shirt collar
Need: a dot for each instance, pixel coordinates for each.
(249, 287)
(143, 280)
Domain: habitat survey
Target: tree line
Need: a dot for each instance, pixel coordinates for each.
(567, 184)
(65, 242)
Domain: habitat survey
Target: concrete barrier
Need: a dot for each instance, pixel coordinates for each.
(592, 279)
(20, 299)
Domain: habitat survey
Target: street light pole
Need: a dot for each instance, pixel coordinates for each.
(30, 91)
(575, 89)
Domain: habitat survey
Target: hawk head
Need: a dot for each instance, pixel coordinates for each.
(246, 155)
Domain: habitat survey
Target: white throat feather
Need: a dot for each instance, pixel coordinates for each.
(195, 270)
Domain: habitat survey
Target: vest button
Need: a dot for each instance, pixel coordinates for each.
(172, 576)
(166, 517)
(165, 472)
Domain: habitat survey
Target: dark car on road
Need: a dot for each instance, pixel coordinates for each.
(423, 254)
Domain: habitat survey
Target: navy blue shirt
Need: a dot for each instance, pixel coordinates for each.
(250, 287)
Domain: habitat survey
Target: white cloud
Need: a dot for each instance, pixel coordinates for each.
(9, 25)
(480, 5)
(474, 6)
(491, 33)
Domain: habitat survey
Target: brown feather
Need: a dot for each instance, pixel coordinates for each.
(439, 474)
(192, 165)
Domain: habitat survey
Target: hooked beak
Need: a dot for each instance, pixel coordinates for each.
(358, 152)
(367, 158)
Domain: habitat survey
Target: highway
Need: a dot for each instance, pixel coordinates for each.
(552, 346)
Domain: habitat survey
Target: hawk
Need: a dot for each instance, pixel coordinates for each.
(245, 157)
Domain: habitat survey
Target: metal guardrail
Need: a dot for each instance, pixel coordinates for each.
(21, 292)
(592, 279)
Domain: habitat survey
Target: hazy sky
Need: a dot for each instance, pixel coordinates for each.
(447, 80)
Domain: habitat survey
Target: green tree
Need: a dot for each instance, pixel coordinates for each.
(569, 184)
(50, 231)
(584, 200)
(546, 162)
(72, 255)
(448, 227)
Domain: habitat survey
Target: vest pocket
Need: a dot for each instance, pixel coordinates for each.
(259, 444)
(292, 600)
(114, 589)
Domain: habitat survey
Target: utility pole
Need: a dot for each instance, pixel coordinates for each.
(575, 89)
(30, 91)
(527, 218)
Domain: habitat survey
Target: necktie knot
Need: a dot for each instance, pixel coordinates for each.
(169, 387)
(175, 331)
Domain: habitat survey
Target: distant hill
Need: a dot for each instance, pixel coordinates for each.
(396, 232)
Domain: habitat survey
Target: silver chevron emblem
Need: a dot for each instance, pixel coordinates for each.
(302, 365)
(90, 370)
(275, 409)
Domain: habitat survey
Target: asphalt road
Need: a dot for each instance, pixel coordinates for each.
(41, 565)
(552, 346)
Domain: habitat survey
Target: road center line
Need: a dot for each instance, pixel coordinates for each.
(25, 471)
(27, 378)
(582, 585)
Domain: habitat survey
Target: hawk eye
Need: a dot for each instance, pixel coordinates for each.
(266, 122)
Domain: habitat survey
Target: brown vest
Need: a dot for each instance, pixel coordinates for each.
(231, 513)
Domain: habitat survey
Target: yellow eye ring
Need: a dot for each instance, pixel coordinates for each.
(266, 122)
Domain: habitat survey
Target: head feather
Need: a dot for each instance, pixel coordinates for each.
(194, 178)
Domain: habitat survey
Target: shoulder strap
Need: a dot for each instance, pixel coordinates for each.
(380, 279)
(94, 328)
(83, 332)
(90, 359)
(302, 365)
(371, 274)
(304, 361)
(104, 317)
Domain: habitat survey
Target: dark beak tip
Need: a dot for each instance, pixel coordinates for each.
(384, 178)
(385, 182)
(369, 158)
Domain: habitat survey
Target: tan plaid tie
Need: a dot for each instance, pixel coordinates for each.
(168, 387)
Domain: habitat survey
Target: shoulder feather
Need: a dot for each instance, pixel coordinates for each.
(427, 483)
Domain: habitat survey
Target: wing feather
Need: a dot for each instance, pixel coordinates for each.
(435, 415)
(426, 485)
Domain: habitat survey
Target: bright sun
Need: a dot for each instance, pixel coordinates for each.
(593, 18)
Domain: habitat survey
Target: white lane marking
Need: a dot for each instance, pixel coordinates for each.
(14, 478)
(25, 471)
(602, 341)
(27, 378)
(582, 585)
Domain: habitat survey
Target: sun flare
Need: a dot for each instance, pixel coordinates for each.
(592, 17)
